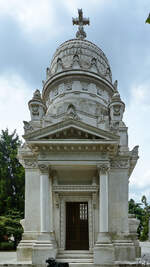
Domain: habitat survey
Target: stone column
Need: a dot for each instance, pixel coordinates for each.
(103, 201)
(44, 198)
(45, 247)
(103, 250)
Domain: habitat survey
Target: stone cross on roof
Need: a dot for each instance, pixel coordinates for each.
(81, 21)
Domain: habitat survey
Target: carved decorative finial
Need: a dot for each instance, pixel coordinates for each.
(116, 85)
(80, 21)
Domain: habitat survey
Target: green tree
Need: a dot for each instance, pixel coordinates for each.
(11, 174)
(10, 227)
(12, 183)
(142, 212)
(148, 19)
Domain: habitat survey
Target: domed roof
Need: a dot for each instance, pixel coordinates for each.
(81, 54)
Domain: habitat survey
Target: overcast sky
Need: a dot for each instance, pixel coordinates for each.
(30, 32)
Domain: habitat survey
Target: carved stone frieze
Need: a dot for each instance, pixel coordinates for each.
(110, 149)
(75, 188)
(120, 163)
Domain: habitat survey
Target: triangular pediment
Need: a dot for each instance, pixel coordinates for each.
(70, 130)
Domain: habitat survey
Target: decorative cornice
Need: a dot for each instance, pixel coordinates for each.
(75, 188)
(77, 146)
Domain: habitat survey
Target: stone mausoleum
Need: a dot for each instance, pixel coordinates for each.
(77, 162)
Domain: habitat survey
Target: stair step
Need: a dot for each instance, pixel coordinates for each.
(80, 256)
(71, 260)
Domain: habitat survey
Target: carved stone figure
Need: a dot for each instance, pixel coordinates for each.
(27, 127)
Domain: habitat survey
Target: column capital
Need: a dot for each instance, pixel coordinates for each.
(103, 167)
(44, 168)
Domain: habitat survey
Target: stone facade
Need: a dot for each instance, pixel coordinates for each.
(76, 150)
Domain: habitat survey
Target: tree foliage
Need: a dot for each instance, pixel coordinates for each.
(11, 188)
(142, 212)
(11, 174)
(148, 19)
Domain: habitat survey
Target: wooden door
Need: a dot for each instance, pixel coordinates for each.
(77, 237)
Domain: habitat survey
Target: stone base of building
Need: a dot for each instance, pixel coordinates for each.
(110, 250)
(24, 251)
(104, 254)
(25, 247)
(37, 251)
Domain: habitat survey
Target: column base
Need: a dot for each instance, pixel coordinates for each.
(24, 248)
(104, 250)
(104, 254)
(45, 247)
(24, 251)
(103, 238)
(126, 247)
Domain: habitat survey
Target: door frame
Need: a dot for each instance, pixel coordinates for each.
(76, 198)
(80, 241)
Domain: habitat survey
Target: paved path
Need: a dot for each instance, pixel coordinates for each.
(8, 257)
(145, 250)
(11, 257)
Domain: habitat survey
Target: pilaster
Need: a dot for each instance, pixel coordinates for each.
(45, 245)
(103, 250)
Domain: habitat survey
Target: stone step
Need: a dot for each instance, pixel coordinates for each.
(75, 260)
(79, 256)
(75, 256)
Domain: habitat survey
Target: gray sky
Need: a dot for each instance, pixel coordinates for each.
(30, 32)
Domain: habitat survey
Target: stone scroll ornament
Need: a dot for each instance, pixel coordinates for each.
(103, 168)
(44, 168)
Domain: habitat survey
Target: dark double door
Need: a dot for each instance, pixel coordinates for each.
(77, 237)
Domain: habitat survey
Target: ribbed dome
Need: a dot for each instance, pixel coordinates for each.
(81, 54)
